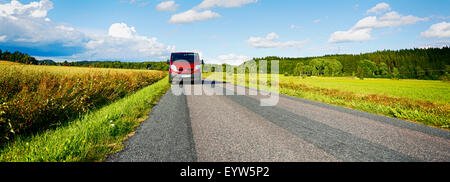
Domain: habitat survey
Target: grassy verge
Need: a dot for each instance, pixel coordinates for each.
(421, 101)
(91, 137)
(31, 94)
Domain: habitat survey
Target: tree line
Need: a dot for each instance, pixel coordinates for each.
(27, 59)
(121, 65)
(430, 63)
(111, 64)
(17, 57)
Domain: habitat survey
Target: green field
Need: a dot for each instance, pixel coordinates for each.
(422, 101)
(420, 90)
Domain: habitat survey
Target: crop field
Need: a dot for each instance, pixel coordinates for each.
(90, 137)
(36, 98)
(419, 90)
(8, 63)
(422, 101)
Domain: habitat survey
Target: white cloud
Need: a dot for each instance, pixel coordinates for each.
(121, 30)
(436, 44)
(351, 35)
(122, 42)
(361, 31)
(207, 4)
(232, 59)
(316, 20)
(390, 19)
(269, 42)
(441, 17)
(439, 30)
(3, 38)
(272, 36)
(167, 6)
(65, 28)
(28, 24)
(196, 14)
(141, 4)
(29, 27)
(34, 9)
(379, 8)
(193, 16)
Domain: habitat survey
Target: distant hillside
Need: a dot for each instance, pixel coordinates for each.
(46, 62)
(432, 63)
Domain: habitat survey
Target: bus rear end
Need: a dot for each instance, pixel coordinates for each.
(185, 67)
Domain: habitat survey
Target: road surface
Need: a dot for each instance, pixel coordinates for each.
(233, 127)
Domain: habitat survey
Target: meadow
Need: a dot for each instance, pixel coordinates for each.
(422, 101)
(38, 98)
(419, 90)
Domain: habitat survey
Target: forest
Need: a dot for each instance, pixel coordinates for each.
(427, 64)
(17, 57)
(118, 64)
(27, 59)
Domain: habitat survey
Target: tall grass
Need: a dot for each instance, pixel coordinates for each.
(90, 137)
(34, 98)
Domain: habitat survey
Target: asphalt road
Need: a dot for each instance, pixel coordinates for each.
(196, 126)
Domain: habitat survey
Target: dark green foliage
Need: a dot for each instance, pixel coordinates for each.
(383, 70)
(299, 69)
(446, 75)
(163, 66)
(26, 59)
(408, 63)
(368, 67)
(395, 73)
(360, 73)
(47, 62)
(17, 57)
(319, 66)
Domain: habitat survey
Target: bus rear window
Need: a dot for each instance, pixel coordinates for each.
(188, 57)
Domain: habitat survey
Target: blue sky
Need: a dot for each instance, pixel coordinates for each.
(223, 31)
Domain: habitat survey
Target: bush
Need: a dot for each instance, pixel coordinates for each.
(395, 74)
(445, 77)
(360, 73)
